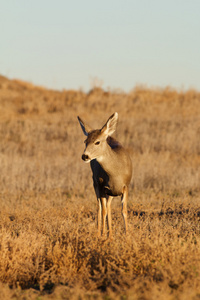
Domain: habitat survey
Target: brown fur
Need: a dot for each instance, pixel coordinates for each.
(111, 167)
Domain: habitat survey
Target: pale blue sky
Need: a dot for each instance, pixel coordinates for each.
(66, 44)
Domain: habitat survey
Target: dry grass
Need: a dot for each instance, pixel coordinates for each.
(48, 243)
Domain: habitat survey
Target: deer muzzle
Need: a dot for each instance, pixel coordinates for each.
(85, 157)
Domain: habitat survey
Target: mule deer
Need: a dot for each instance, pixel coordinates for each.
(111, 167)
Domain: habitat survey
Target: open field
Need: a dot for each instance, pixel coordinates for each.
(48, 243)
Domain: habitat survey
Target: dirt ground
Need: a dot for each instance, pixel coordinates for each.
(49, 247)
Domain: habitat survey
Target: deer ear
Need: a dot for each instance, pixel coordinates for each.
(110, 126)
(86, 129)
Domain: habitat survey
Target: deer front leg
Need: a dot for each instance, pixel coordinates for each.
(104, 214)
(99, 216)
(109, 215)
(124, 207)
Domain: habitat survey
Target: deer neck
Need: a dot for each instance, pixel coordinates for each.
(108, 160)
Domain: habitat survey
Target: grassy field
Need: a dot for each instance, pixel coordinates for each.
(49, 247)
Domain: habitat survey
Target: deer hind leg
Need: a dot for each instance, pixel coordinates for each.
(109, 215)
(124, 207)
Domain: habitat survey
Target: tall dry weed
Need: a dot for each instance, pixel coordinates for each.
(48, 240)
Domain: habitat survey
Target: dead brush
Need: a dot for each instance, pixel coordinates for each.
(48, 240)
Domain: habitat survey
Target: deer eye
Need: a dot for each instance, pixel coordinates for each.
(97, 143)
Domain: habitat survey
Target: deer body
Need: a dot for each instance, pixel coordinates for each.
(111, 167)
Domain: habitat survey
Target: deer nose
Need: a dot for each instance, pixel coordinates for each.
(85, 157)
